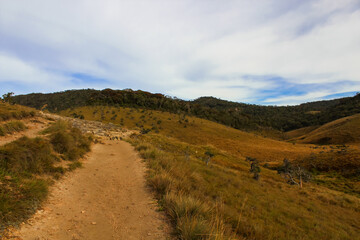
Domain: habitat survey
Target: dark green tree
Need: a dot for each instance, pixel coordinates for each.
(7, 97)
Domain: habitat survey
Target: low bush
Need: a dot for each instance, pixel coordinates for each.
(27, 155)
(68, 141)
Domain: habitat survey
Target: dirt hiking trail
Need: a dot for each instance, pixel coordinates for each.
(105, 199)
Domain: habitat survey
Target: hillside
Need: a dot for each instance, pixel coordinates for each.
(196, 131)
(342, 131)
(237, 115)
(34, 151)
(200, 175)
(220, 197)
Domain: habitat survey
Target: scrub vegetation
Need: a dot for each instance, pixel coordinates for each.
(29, 165)
(9, 111)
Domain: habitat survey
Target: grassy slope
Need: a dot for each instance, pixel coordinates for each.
(342, 131)
(299, 132)
(11, 127)
(29, 165)
(9, 111)
(199, 131)
(222, 199)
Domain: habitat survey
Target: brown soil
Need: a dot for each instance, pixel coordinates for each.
(106, 199)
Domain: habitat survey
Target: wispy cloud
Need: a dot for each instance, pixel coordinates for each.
(267, 52)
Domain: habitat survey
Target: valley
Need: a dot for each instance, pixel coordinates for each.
(199, 171)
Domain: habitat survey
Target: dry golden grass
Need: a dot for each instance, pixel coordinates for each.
(222, 200)
(11, 127)
(299, 132)
(10, 111)
(342, 131)
(268, 209)
(199, 132)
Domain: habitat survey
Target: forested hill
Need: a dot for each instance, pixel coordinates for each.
(223, 104)
(237, 115)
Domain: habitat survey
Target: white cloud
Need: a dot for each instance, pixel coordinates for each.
(15, 70)
(184, 48)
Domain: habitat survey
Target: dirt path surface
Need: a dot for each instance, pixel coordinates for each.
(106, 199)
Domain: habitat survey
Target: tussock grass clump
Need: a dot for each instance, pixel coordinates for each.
(179, 206)
(11, 127)
(68, 141)
(190, 228)
(27, 155)
(161, 183)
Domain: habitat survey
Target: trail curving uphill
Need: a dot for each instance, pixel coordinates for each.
(106, 199)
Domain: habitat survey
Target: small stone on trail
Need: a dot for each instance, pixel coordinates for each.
(83, 211)
(93, 223)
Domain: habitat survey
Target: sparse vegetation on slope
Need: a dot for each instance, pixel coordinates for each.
(342, 131)
(28, 166)
(11, 127)
(221, 200)
(237, 115)
(197, 131)
(9, 111)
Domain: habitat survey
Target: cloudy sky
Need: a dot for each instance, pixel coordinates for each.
(265, 51)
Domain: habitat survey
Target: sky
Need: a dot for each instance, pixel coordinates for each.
(269, 52)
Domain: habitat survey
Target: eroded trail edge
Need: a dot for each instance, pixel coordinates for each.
(106, 199)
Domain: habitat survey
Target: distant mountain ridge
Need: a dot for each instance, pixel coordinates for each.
(237, 115)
